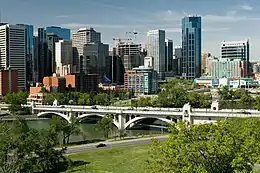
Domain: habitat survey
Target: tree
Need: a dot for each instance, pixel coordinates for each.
(105, 125)
(28, 150)
(65, 128)
(102, 99)
(49, 99)
(84, 99)
(225, 146)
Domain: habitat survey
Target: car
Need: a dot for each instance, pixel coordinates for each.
(100, 145)
(130, 108)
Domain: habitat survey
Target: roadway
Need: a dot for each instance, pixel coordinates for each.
(121, 143)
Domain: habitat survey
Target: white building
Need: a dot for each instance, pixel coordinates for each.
(148, 62)
(156, 49)
(12, 51)
(63, 57)
(237, 50)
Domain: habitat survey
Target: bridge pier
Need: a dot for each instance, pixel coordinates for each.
(121, 121)
(187, 113)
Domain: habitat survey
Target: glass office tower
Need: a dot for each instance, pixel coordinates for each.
(156, 49)
(191, 47)
(63, 33)
(30, 75)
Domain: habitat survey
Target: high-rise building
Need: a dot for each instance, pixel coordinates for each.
(63, 33)
(156, 49)
(237, 50)
(141, 80)
(13, 51)
(51, 65)
(118, 69)
(204, 62)
(29, 45)
(94, 58)
(168, 55)
(35, 57)
(177, 61)
(79, 39)
(64, 57)
(43, 60)
(226, 68)
(191, 47)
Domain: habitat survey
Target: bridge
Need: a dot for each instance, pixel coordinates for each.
(124, 117)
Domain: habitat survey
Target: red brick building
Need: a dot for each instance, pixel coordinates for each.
(8, 81)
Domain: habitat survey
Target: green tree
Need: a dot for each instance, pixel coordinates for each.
(230, 145)
(84, 99)
(105, 125)
(66, 129)
(28, 150)
(102, 99)
(49, 99)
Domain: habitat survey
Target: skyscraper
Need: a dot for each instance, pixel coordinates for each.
(63, 33)
(168, 55)
(79, 39)
(30, 73)
(237, 50)
(64, 57)
(13, 51)
(191, 47)
(156, 49)
(43, 62)
(51, 63)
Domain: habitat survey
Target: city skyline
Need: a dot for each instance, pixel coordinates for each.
(221, 21)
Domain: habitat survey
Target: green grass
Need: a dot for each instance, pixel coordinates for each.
(130, 159)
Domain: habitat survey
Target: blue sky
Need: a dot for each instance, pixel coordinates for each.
(228, 20)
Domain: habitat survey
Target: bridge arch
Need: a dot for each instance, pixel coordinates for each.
(66, 117)
(81, 117)
(141, 118)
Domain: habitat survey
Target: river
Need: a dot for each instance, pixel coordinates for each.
(89, 132)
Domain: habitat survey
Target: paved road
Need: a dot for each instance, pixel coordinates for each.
(88, 147)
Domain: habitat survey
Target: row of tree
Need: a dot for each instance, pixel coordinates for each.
(238, 99)
(176, 93)
(231, 145)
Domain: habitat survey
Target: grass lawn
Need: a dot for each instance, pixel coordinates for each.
(116, 160)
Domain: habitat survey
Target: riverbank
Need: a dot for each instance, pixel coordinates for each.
(26, 117)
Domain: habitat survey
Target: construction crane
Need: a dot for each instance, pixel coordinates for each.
(135, 33)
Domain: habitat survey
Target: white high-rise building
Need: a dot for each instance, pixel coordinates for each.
(12, 51)
(156, 49)
(237, 50)
(63, 57)
(79, 39)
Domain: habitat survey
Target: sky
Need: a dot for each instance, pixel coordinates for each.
(229, 20)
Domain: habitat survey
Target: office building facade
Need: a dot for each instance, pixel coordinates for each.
(43, 59)
(237, 50)
(156, 49)
(63, 33)
(30, 60)
(51, 63)
(191, 47)
(226, 68)
(168, 55)
(79, 39)
(64, 57)
(130, 53)
(141, 80)
(94, 58)
(204, 63)
(13, 51)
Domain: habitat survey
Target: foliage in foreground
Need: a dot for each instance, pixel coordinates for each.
(25, 150)
(230, 146)
(105, 125)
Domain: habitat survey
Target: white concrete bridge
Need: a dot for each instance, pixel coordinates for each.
(125, 117)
